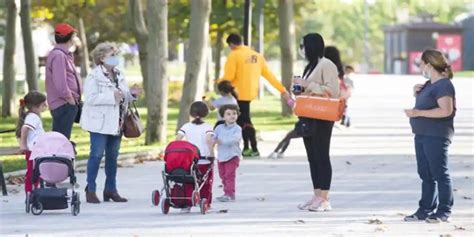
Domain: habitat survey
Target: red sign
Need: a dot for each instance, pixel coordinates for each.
(451, 46)
(414, 58)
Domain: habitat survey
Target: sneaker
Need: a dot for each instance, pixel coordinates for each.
(274, 155)
(281, 155)
(247, 152)
(255, 154)
(312, 201)
(437, 218)
(417, 216)
(225, 198)
(323, 206)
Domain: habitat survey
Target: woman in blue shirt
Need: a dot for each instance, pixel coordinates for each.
(431, 121)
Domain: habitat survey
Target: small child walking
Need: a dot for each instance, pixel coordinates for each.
(29, 128)
(228, 136)
(201, 134)
(228, 96)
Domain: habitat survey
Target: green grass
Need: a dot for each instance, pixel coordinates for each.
(464, 74)
(265, 115)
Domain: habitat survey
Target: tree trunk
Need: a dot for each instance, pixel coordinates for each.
(287, 47)
(30, 57)
(260, 31)
(217, 56)
(260, 25)
(84, 49)
(195, 60)
(8, 59)
(141, 36)
(157, 85)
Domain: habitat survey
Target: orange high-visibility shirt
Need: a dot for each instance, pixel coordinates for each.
(243, 69)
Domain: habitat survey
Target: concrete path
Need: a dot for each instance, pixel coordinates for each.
(374, 184)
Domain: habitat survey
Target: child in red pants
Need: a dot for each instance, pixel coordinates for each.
(228, 137)
(29, 127)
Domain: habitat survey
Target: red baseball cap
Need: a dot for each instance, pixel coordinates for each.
(63, 29)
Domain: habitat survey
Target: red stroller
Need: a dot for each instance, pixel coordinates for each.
(186, 184)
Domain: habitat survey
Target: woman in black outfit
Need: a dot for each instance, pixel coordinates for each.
(320, 77)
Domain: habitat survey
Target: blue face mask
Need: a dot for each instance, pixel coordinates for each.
(112, 61)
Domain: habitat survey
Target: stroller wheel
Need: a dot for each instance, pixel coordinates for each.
(27, 203)
(195, 198)
(165, 206)
(37, 208)
(204, 205)
(155, 197)
(75, 204)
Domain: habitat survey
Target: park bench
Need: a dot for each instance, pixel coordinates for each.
(4, 151)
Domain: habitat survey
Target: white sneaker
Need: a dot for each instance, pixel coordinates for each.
(225, 198)
(323, 206)
(314, 201)
(281, 155)
(274, 155)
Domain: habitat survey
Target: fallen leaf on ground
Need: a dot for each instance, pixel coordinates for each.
(459, 228)
(223, 211)
(375, 221)
(5, 200)
(401, 214)
(455, 190)
(300, 222)
(348, 162)
(447, 235)
(467, 198)
(261, 199)
(220, 186)
(467, 177)
(14, 191)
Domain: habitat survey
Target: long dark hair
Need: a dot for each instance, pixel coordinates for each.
(332, 53)
(313, 44)
(198, 111)
(29, 101)
(225, 87)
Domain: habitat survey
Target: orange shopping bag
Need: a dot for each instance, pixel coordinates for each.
(316, 107)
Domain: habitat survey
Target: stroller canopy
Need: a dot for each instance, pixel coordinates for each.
(52, 144)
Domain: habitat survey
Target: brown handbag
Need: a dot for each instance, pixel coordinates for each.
(316, 107)
(132, 126)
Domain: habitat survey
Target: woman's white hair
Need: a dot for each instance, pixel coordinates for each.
(101, 50)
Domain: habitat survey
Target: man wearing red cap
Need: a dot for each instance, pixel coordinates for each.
(63, 85)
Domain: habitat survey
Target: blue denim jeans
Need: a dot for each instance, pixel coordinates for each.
(63, 119)
(109, 144)
(436, 186)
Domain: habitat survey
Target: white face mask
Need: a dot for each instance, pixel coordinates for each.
(112, 61)
(302, 52)
(425, 74)
(72, 49)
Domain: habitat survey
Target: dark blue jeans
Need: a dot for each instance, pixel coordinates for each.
(109, 144)
(63, 119)
(432, 162)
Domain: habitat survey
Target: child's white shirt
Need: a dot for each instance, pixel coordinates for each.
(35, 126)
(196, 134)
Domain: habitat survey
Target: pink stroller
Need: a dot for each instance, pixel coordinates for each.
(53, 161)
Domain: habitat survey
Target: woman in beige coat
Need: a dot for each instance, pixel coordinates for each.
(320, 77)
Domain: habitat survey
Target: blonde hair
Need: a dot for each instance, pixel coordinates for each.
(101, 50)
(439, 62)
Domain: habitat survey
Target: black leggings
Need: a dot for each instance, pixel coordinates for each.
(283, 145)
(245, 122)
(317, 150)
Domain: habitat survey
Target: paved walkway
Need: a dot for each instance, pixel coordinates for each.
(374, 184)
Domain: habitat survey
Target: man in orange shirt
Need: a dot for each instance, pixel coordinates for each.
(243, 69)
